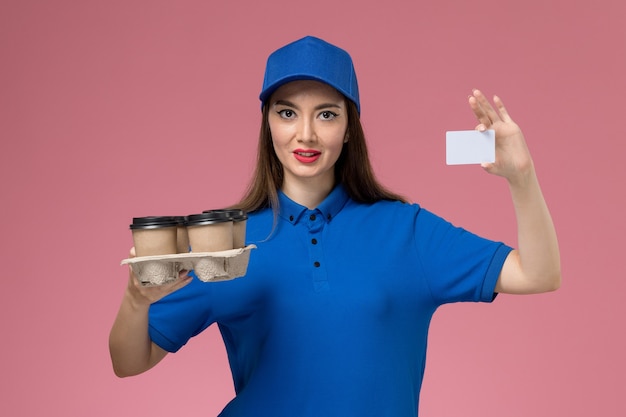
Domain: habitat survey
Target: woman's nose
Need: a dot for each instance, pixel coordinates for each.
(306, 130)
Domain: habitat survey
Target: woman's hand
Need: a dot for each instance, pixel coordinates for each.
(132, 351)
(535, 266)
(146, 295)
(513, 160)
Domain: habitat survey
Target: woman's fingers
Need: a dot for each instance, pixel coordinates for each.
(483, 110)
(504, 115)
(183, 279)
(480, 127)
(148, 294)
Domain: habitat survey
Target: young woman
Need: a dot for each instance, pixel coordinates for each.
(332, 317)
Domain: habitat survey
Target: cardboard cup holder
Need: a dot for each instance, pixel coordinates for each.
(208, 266)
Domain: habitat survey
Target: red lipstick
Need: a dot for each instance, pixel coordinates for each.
(306, 156)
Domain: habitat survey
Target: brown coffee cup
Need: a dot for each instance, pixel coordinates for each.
(182, 236)
(155, 235)
(239, 218)
(239, 230)
(210, 232)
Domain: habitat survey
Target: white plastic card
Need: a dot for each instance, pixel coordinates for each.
(470, 147)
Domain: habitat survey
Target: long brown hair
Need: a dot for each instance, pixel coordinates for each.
(353, 169)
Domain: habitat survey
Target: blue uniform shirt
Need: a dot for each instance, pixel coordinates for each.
(332, 317)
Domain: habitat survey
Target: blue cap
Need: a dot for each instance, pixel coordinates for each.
(311, 58)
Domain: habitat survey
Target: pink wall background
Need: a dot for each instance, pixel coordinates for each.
(115, 109)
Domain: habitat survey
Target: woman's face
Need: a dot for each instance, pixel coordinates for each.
(308, 122)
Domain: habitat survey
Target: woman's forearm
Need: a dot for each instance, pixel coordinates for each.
(132, 351)
(538, 250)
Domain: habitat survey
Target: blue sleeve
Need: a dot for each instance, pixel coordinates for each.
(458, 265)
(178, 317)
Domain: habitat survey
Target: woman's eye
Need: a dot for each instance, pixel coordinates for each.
(286, 114)
(328, 115)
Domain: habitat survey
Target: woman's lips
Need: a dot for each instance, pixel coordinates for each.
(306, 156)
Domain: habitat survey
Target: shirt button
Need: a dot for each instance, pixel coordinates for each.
(316, 264)
(312, 217)
(314, 241)
(290, 218)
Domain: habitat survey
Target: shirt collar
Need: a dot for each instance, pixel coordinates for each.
(329, 208)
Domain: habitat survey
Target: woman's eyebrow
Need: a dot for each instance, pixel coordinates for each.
(318, 107)
(326, 105)
(285, 103)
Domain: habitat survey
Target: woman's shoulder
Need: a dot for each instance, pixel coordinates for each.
(387, 206)
(260, 216)
(383, 212)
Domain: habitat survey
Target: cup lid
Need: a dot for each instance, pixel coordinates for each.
(207, 218)
(180, 220)
(234, 214)
(153, 222)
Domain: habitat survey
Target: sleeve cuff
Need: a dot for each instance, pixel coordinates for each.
(162, 341)
(488, 293)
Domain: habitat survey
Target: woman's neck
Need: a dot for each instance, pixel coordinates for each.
(307, 192)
